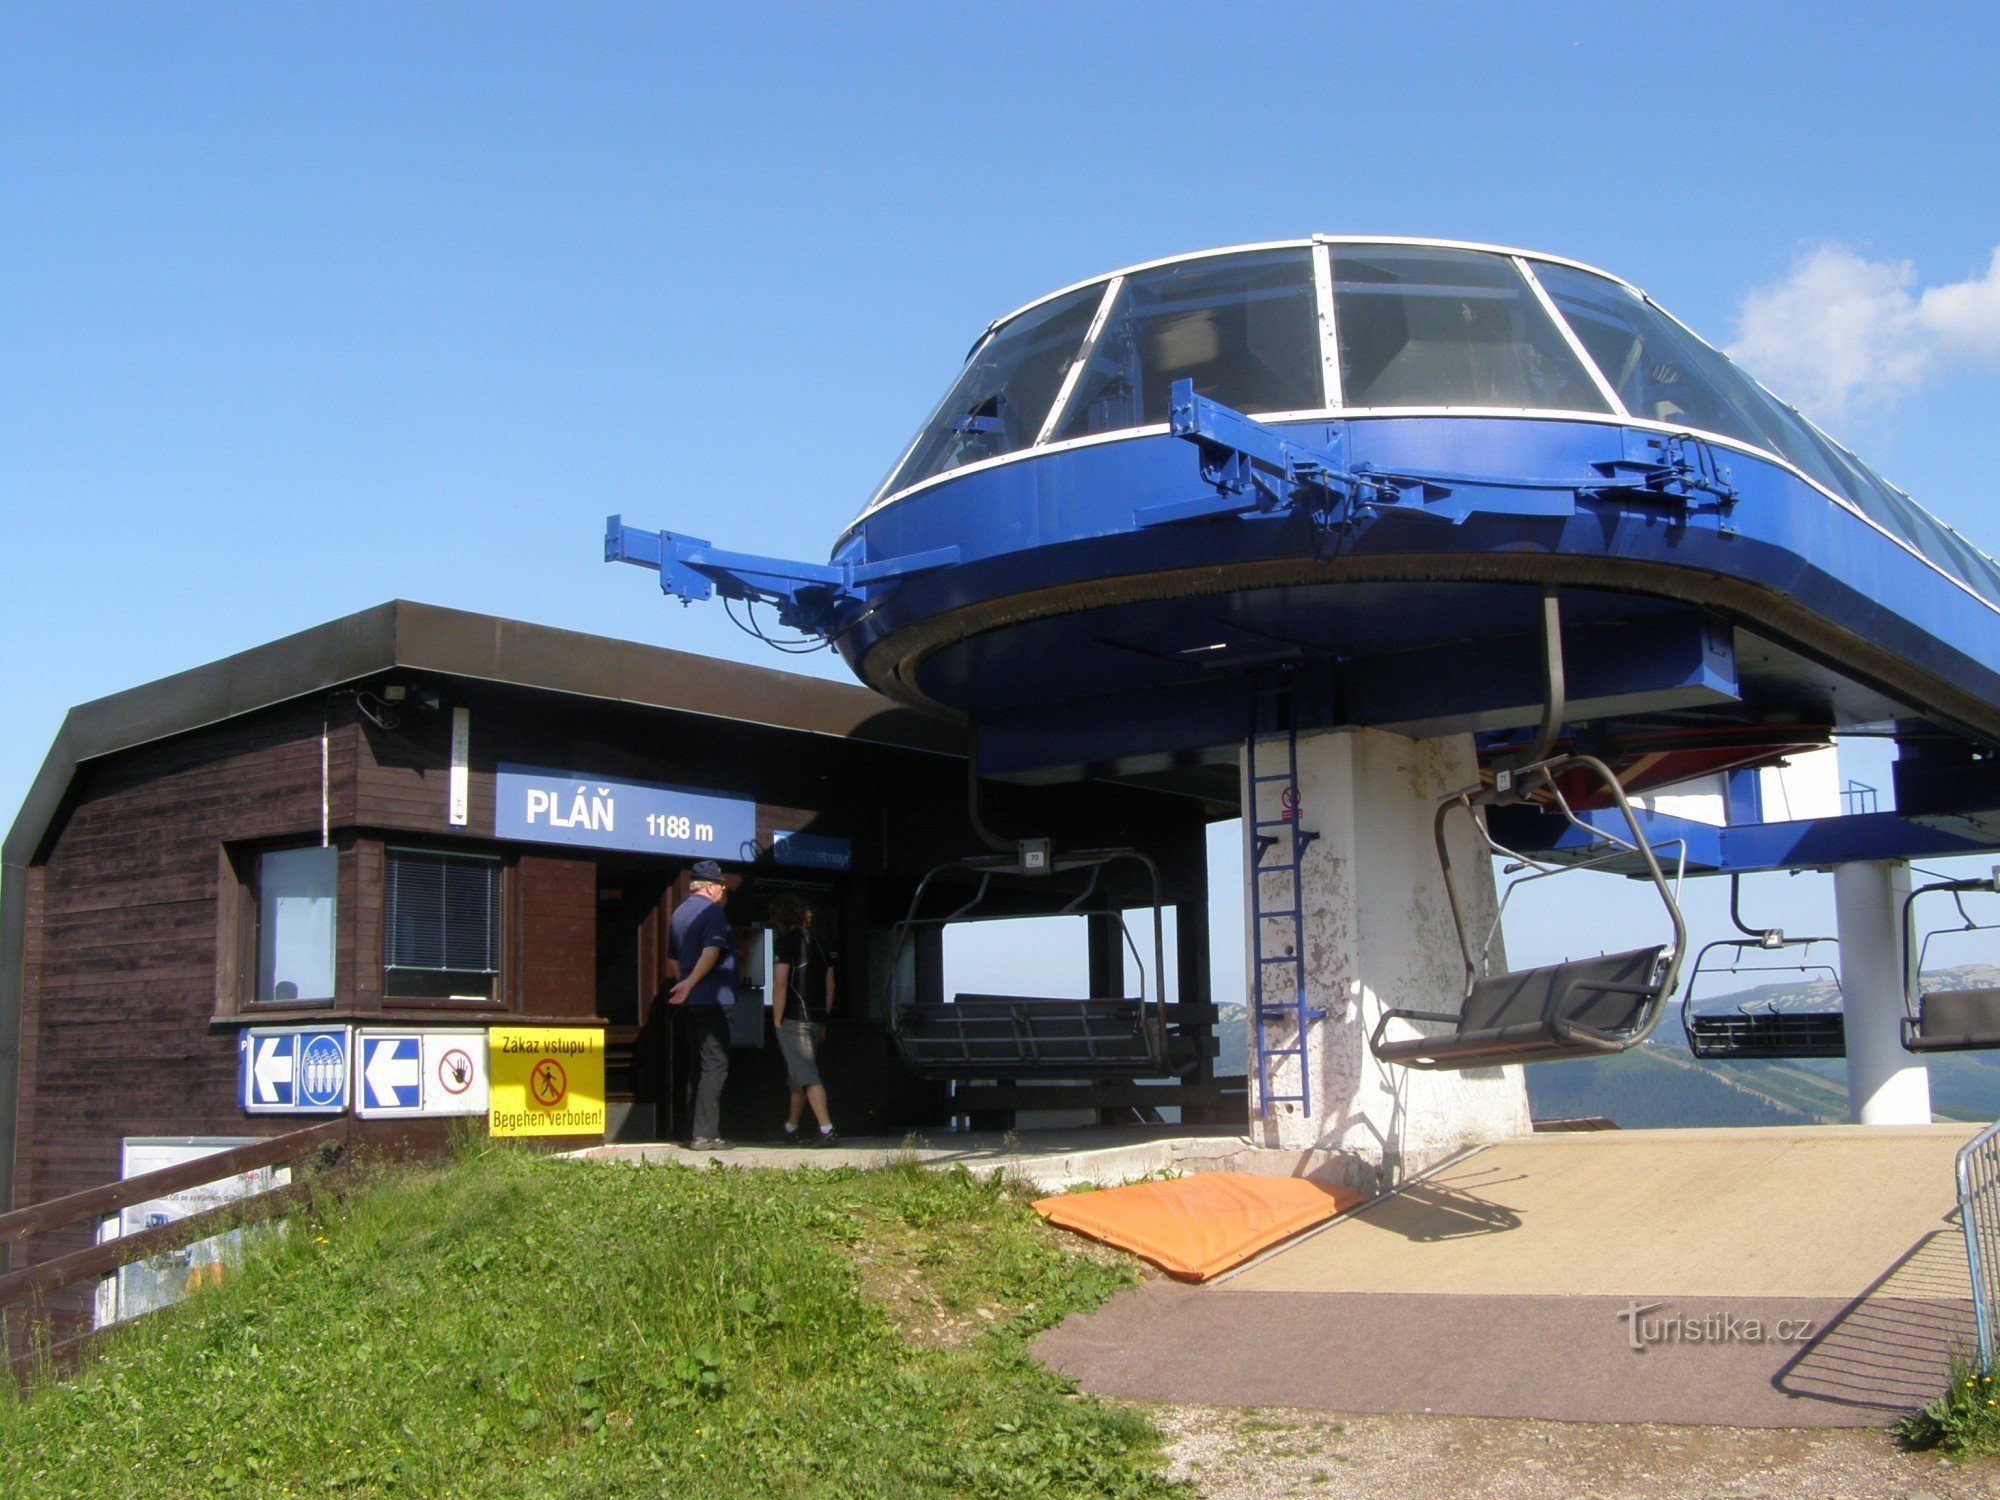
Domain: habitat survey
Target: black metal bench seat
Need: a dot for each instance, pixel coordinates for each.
(1954, 1021)
(1752, 1036)
(1581, 1008)
(1021, 1036)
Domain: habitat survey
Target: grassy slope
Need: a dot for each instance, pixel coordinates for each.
(508, 1325)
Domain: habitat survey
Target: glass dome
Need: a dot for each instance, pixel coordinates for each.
(1350, 328)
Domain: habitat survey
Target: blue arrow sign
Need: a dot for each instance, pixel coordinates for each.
(392, 1073)
(292, 1070)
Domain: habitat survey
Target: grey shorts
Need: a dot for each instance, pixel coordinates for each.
(799, 1041)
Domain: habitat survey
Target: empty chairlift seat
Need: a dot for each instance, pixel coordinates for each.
(1014, 1036)
(1966, 1020)
(1757, 1035)
(1954, 1021)
(1582, 1007)
(1766, 1022)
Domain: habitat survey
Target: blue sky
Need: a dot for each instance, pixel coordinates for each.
(306, 307)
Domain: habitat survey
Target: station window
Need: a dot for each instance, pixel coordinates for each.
(1002, 397)
(295, 923)
(1661, 371)
(441, 925)
(1241, 327)
(1423, 326)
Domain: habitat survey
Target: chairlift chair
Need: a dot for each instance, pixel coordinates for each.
(1009, 1037)
(1745, 1033)
(1589, 1007)
(1949, 1020)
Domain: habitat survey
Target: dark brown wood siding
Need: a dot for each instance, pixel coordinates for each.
(558, 928)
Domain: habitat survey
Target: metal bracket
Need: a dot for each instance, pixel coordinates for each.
(1673, 466)
(1258, 470)
(805, 594)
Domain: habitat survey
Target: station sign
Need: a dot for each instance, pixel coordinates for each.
(546, 1080)
(293, 1070)
(543, 806)
(411, 1074)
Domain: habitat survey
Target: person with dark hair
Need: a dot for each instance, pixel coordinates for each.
(705, 954)
(801, 997)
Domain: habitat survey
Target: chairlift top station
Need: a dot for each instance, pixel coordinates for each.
(1425, 487)
(1363, 460)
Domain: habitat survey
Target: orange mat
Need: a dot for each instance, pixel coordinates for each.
(1196, 1227)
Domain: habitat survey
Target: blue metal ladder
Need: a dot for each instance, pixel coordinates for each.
(1277, 846)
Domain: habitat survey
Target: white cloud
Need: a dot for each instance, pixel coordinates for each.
(1844, 332)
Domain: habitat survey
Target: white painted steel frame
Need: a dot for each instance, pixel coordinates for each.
(1074, 375)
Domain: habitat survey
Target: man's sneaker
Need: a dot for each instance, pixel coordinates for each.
(824, 1138)
(789, 1137)
(709, 1143)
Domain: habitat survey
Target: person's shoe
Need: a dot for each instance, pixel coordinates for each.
(709, 1143)
(824, 1138)
(789, 1137)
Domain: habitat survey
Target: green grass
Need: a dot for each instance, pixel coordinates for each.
(509, 1325)
(1964, 1420)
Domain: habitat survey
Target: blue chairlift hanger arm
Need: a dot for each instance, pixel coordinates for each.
(804, 594)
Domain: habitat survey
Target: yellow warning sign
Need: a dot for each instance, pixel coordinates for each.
(546, 1080)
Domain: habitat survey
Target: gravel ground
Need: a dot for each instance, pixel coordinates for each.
(1267, 1454)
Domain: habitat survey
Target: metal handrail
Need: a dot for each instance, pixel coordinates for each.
(1978, 1175)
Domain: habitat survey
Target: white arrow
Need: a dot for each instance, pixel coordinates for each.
(387, 1072)
(270, 1066)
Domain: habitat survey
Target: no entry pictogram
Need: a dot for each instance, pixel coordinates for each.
(548, 1083)
(455, 1073)
(546, 1080)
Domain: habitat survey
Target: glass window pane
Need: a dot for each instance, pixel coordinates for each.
(1663, 373)
(295, 911)
(1002, 397)
(441, 924)
(1241, 327)
(1431, 327)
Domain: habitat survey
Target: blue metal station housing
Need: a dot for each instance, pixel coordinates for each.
(1357, 467)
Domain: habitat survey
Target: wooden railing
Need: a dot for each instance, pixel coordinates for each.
(99, 1260)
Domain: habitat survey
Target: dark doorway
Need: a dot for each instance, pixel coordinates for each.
(634, 900)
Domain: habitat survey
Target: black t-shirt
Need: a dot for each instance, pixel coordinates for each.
(806, 981)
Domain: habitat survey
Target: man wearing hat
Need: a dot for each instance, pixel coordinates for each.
(705, 954)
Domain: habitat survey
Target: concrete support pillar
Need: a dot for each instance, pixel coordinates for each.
(1377, 934)
(1885, 1084)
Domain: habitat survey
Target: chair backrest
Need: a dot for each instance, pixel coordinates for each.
(1610, 992)
(1962, 1013)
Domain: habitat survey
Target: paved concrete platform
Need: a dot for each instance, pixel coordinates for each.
(1818, 1211)
(1756, 1278)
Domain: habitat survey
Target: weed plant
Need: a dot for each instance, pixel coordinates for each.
(1965, 1419)
(508, 1325)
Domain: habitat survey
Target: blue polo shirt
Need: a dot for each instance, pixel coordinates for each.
(699, 923)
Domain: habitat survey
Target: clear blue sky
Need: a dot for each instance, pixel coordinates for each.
(304, 307)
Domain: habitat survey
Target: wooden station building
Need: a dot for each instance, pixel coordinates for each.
(339, 827)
